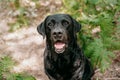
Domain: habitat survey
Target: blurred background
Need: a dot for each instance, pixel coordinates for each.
(21, 47)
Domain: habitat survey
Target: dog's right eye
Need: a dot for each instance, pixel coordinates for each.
(50, 24)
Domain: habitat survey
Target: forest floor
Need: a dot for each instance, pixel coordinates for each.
(26, 47)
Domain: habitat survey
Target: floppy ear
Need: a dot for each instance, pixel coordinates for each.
(77, 26)
(41, 29)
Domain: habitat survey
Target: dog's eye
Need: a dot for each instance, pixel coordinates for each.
(65, 23)
(50, 24)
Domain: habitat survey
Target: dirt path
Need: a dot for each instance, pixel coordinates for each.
(26, 46)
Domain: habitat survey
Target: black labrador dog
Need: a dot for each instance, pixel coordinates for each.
(63, 58)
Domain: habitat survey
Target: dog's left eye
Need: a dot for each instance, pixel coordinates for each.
(65, 23)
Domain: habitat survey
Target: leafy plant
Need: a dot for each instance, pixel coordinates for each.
(100, 33)
(21, 13)
(6, 64)
(20, 17)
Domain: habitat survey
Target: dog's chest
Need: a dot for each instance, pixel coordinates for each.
(63, 64)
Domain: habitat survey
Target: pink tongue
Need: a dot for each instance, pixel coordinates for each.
(59, 45)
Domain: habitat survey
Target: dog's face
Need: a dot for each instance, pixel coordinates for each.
(59, 30)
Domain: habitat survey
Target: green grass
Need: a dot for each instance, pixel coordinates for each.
(6, 64)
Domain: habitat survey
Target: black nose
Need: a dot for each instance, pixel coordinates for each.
(57, 34)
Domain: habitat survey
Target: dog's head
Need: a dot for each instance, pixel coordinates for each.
(60, 30)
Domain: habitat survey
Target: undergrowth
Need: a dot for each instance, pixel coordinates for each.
(100, 34)
(21, 13)
(6, 65)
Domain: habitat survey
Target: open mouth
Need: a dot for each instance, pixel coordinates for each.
(59, 47)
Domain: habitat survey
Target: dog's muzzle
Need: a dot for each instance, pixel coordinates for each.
(59, 39)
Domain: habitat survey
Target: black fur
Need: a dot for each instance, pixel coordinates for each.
(70, 64)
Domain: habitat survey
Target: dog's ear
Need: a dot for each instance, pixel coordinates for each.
(77, 26)
(41, 29)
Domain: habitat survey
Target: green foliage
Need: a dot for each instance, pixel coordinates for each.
(100, 33)
(100, 56)
(21, 77)
(20, 18)
(21, 13)
(6, 64)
